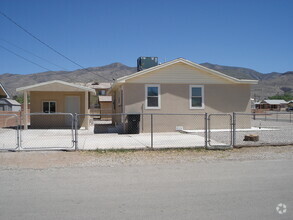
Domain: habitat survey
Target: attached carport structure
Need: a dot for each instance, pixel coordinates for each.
(56, 96)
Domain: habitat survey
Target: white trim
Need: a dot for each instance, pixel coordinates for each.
(30, 88)
(190, 96)
(146, 96)
(49, 106)
(182, 60)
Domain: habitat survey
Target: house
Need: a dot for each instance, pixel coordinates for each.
(272, 105)
(9, 105)
(6, 103)
(101, 103)
(56, 97)
(179, 86)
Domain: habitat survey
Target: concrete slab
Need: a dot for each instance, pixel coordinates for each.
(88, 140)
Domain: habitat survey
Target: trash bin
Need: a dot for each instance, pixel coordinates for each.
(133, 123)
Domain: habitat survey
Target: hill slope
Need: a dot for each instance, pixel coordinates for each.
(269, 84)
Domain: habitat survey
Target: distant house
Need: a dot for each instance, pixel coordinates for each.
(272, 105)
(6, 103)
(101, 103)
(56, 97)
(179, 86)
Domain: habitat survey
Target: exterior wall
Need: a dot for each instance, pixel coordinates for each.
(36, 100)
(16, 108)
(2, 93)
(117, 105)
(179, 73)
(5, 107)
(9, 120)
(106, 108)
(175, 99)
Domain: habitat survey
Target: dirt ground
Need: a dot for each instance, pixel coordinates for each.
(59, 159)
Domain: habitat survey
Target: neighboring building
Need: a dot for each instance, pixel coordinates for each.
(272, 105)
(101, 103)
(6, 103)
(56, 97)
(180, 86)
(3, 92)
(9, 105)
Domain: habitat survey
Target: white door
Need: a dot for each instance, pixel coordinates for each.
(72, 105)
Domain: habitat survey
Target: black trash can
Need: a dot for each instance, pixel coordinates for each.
(133, 123)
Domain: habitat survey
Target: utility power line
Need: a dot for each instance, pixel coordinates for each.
(10, 51)
(42, 42)
(27, 51)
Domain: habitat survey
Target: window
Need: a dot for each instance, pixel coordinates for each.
(152, 99)
(49, 107)
(196, 97)
(102, 92)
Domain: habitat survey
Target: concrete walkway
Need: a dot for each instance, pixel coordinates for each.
(87, 140)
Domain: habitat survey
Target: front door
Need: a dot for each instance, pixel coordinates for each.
(72, 105)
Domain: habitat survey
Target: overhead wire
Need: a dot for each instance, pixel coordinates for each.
(24, 58)
(51, 48)
(31, 53)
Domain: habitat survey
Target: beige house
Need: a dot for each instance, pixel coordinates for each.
(272, 105)
(102, 102)
(179, 86)
(55, 97)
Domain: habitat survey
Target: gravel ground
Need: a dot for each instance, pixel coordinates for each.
(58, 159)
(280, 133)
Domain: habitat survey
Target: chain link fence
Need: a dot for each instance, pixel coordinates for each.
(220, 133)
(47, 131)
(9, 132)
(64, 131)
(271, 128)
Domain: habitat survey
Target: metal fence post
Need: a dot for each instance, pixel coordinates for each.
(206, 129)
(233, 129)
(18, 133)
(152, 133)
(290, 118)
(75, 131)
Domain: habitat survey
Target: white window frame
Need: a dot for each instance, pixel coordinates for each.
(49, 107)
(202, 96)
(146, 96)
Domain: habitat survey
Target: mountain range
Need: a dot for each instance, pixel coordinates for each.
(269, 84)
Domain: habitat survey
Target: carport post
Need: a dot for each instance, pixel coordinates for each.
(25, 110)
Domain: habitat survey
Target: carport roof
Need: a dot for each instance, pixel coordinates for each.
(56, 86)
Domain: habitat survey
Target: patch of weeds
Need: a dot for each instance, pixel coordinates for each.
(100, 151)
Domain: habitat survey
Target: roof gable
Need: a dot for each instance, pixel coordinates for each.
(3, 91)
(274, 101)
(55, 86)
(181, 71)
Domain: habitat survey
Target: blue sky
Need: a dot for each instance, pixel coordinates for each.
(253, 34)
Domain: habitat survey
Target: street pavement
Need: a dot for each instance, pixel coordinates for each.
(188, 190)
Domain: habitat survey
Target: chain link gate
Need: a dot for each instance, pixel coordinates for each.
(220, 131)
(9, 132)
(48, 131)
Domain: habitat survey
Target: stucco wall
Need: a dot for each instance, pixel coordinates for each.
(175, 99)
(36, 100)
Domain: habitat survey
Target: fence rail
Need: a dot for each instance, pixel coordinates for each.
(65, 131)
